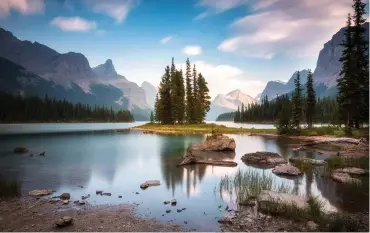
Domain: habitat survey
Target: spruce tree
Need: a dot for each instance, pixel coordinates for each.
(157, 109)
(361, 64)
(165, 103)
(346, 82)
(311, 99)
(203, 98)
(174, 94)
(237, 115)
(189, 93)
(196, 116)
(151, 117)
(297, 102)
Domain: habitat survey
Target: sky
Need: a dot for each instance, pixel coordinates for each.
(236, 44)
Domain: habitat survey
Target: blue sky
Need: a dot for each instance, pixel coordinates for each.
(237, 44)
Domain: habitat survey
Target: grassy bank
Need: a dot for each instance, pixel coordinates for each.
(199, 129)
(331, 131)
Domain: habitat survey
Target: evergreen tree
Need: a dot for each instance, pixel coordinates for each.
(165, 103)
(189, 93)
(284, 122)
(197, 112)
(203, 98)
(237, 115)
(180, 97)
(151, 117)
(361, 64)
(157, 113)
(311, 99)
(297, 102)
(173, 86)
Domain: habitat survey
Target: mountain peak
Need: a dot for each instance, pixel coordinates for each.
(106, 70)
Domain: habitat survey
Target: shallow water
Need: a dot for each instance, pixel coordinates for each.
(120, 162)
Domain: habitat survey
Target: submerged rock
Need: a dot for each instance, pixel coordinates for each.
(150, 183)
(168, 211)
(42, 153)
(270, 201)
(166, 202)
(286, 169)
(20, 150)
(106, 194)
(352, 171)
(99, 192)
(65, 196)
(344, 178)
(85, 197)
(173, 202)
(308, 160)
(64, 221)
(263, 159)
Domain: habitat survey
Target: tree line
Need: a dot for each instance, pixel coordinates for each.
(35, 109)
(353, 85)
(181, 101)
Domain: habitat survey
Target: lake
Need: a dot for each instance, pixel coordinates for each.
(120, 162)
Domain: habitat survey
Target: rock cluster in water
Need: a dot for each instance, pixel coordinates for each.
(287, 170)
(263, 159)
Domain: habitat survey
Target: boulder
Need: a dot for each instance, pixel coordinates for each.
(20, 150)
(263, 159)
(65, 202)
(312, 226)
(352, 171)
(308, 160)
(173, 202)
(64, 221)
(65, 196)
(220, 143)
(40, 192)
(268, 201)
(286, 169)
(150, 183)
(344, 178)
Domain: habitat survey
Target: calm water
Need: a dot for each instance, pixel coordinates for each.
(120, 162)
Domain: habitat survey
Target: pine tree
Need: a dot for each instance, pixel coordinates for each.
(237, 115)
(157, 103)
(189, 93)
(361, 64)
(311, 99)
(165, 103)
(151, 117)
(196, 115)
(180, 97)
(174, 92)
(203, 98)
(297, 103)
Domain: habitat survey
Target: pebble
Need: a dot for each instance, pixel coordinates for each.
(137, 193)
(166, 202)
(119, 196)
(168, 211)
(179, 210)
(185, 222)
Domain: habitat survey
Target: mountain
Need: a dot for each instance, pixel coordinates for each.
(150, 93)
(228, 103)
(38, 70)
(328, 65)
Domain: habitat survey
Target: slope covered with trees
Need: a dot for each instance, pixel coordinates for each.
(35, 109)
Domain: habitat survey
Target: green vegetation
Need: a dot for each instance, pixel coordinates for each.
(34, 109)
(214, 134)
(199, 129)
(297, 103)
(335, 162)
(172, 107)
(311, 100)
(331, 131)
(9, 188)
(248, 185)
(353, 86)
(228, 116)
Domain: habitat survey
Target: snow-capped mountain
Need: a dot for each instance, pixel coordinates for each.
(228, 103)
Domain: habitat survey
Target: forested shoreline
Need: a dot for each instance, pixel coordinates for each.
(15, 109)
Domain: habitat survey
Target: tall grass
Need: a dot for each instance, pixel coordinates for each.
(9, 188)
(336, 161)
(248, 184)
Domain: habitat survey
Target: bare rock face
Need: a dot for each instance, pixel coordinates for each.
(352, 171)
(344, 178)
(263, 159)
(286, 169)
(150, 183)
(267, 200)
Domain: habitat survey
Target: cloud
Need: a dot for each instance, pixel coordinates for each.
(293, 28)
(192, 50)
(223, 78)
(217, 6)
(166, 39)
(25, 7)
(76, 24)
(117, 9)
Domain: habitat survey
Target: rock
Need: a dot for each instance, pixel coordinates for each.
(76, 202)
(220, 143)
(99, 192)
(80, 186)
(312, 226)
(226, 219)
(168, 211)
(137, 193)
(82, 202)
(179, 210)
(106, 194)
(286, 169)
(344, 178)
(64, 221)
(119, 196)
(39, 192)
(352, 171)
(267, 201)
(308, 160)
(183, 209)
(248, 202)
(65, 196)
(185, 222)
(263, 159)
(20, 150)
(150, 183)
(173, 202)
(31, 155)
(85, 197)
(166, 202)
(65, 202)
(42, 153)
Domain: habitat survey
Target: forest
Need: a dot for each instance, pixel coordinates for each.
(179, 101)
(35, 109)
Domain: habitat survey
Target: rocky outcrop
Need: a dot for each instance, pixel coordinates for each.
(263, 159)
(286, 170)
(308, 160)
(150, 183)
(344, 178)
(211, 152)
(269, 201)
